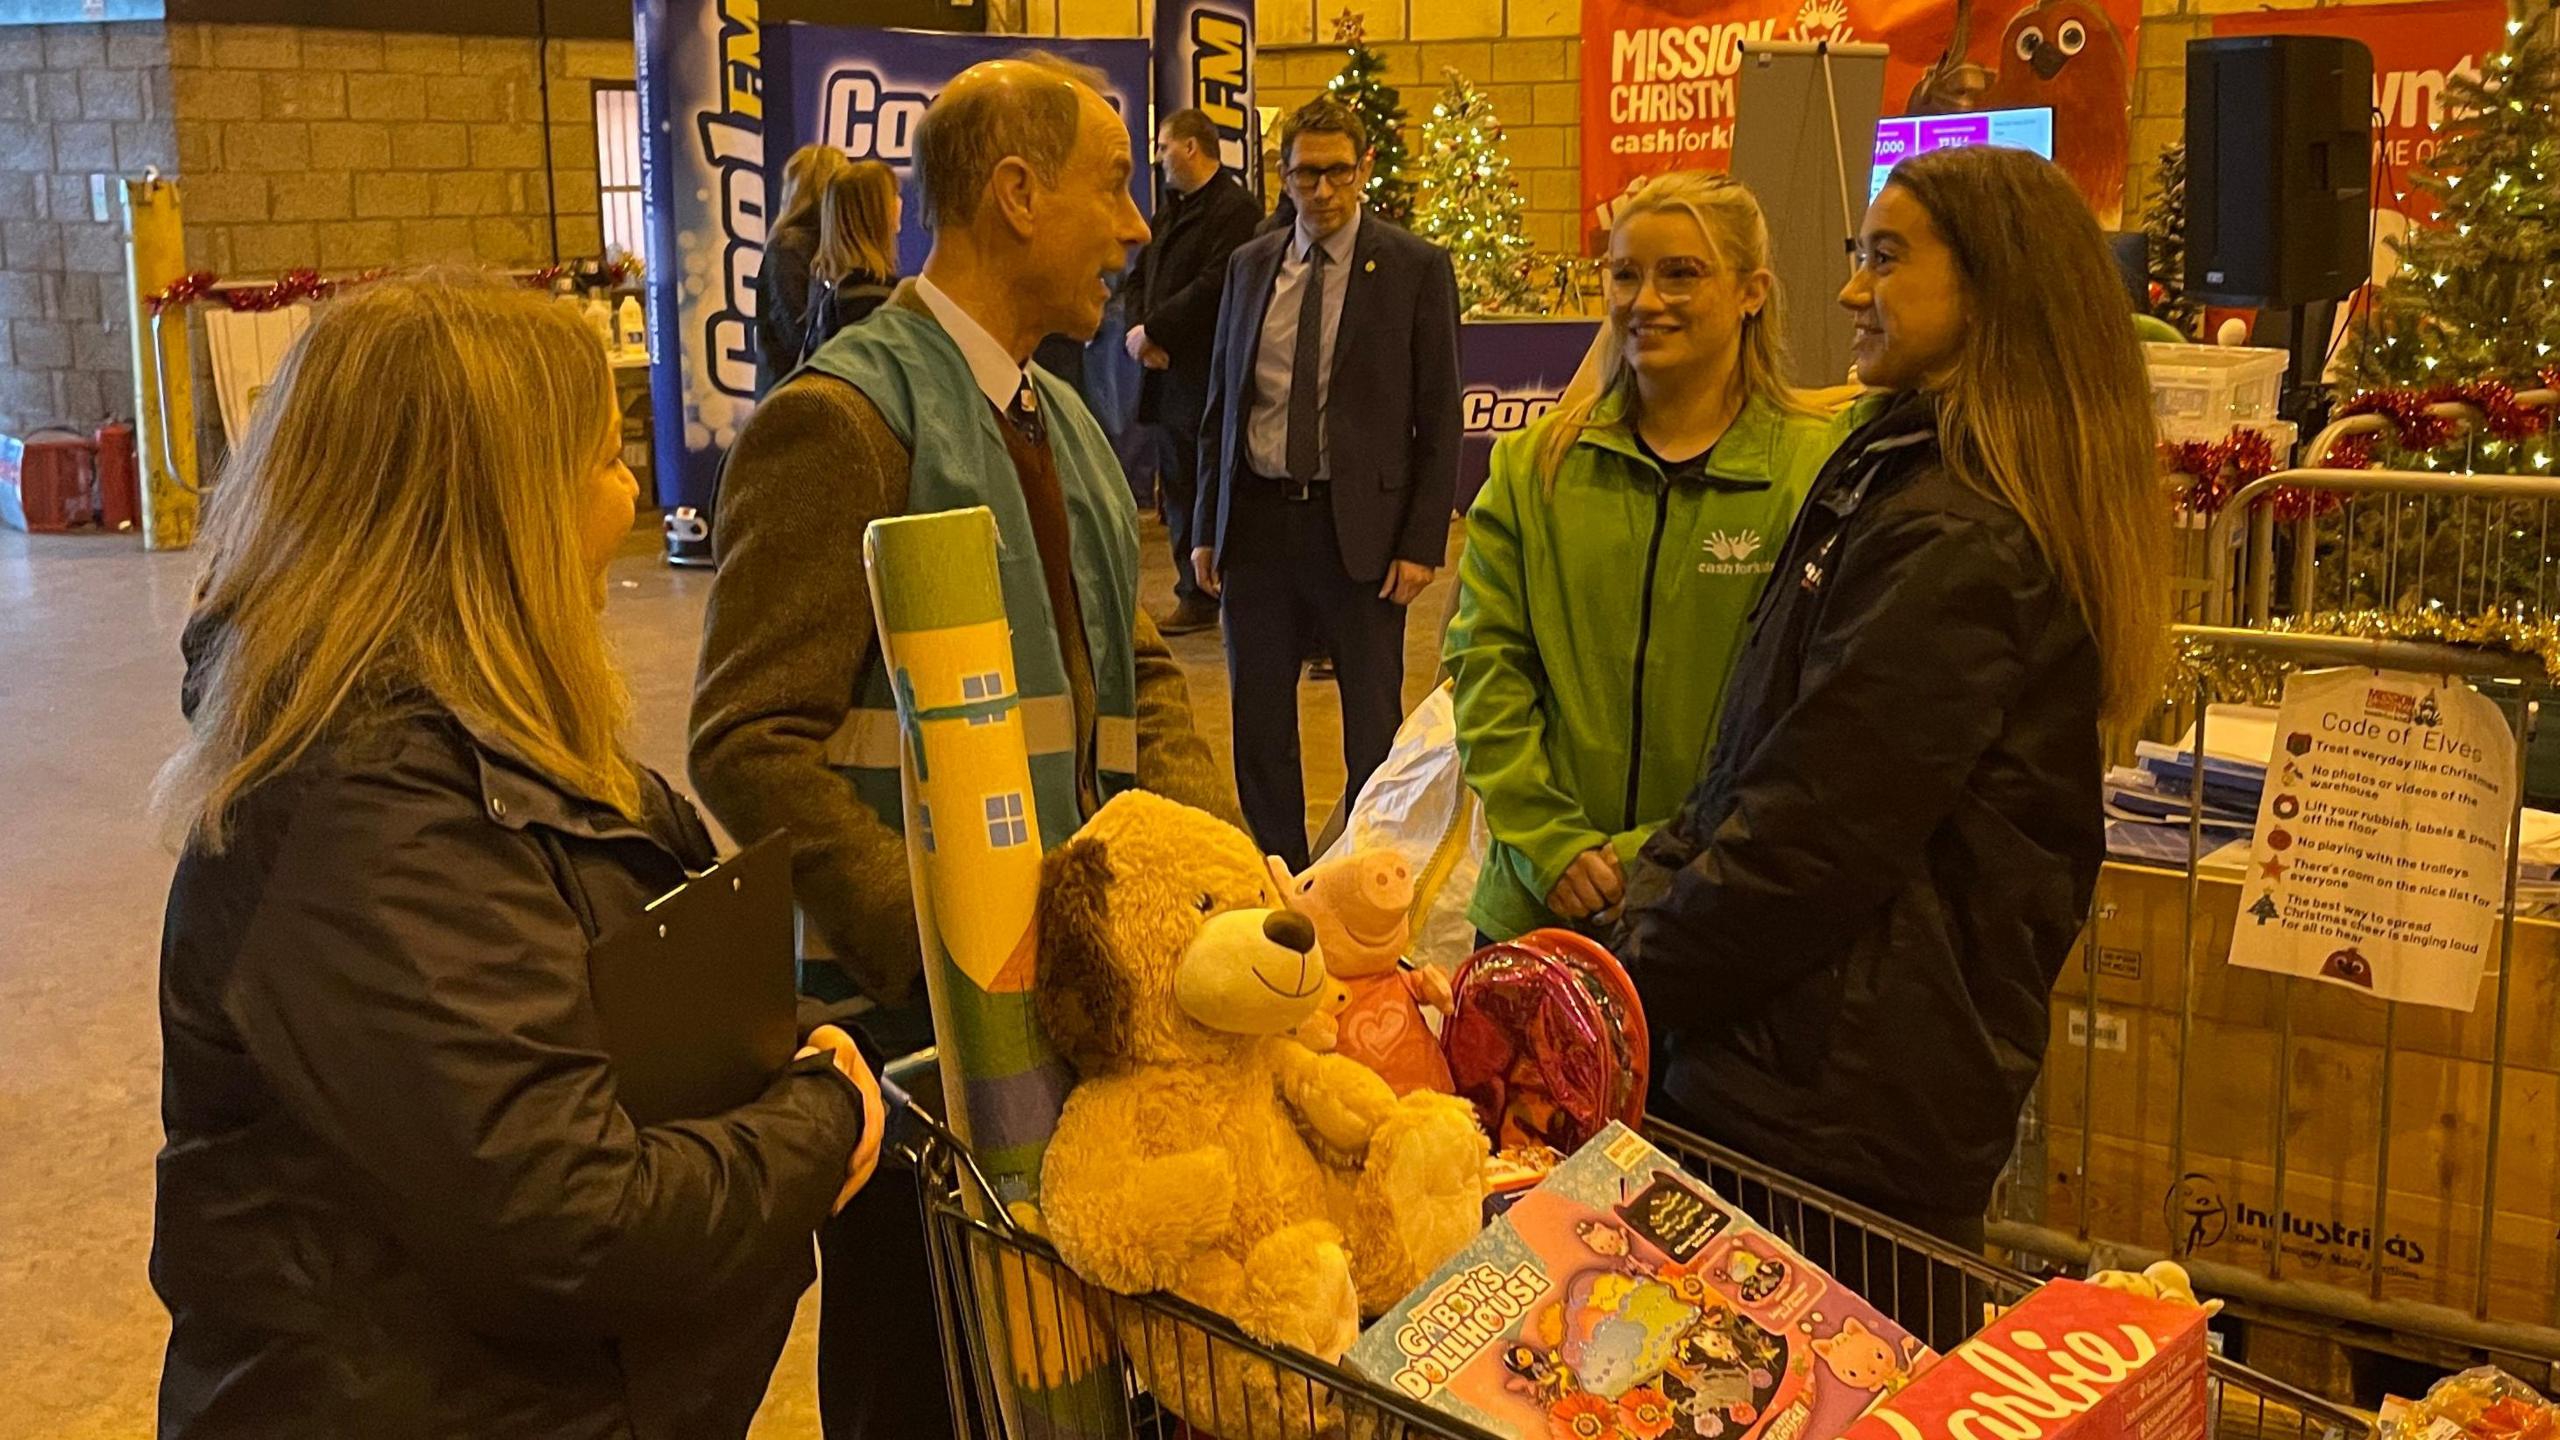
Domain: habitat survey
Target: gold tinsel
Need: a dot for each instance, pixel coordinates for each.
(2239, 677)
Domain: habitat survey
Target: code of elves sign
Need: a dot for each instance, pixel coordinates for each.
(2381, 837)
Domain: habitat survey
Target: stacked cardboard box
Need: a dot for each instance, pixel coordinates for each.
(2110, 1101)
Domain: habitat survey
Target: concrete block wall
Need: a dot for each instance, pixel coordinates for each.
(76, 102)
(343, 150)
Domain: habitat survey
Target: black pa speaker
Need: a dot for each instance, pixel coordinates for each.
(2279, 168)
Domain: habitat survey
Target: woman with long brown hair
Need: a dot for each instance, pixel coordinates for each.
(1850, 933)
(856, 265)
(1614, 552)
(398, 1194)
(782, 283)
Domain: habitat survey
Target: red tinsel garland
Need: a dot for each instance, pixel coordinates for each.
(2501, 414)
(179, 293)
(2414, 428)
(2218, 468)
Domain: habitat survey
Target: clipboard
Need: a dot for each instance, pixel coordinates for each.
(697, 994)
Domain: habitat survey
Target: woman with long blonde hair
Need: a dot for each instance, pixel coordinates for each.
(1614, 554)
(857, 261)
(397, 1188)
(1853, 926)
(790, 244)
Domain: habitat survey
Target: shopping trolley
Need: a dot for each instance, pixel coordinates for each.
(1034, 1354)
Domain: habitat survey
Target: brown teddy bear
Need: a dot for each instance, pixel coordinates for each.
(1204, 1150)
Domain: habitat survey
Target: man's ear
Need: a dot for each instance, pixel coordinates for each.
(1083, 999)
(1010, 190)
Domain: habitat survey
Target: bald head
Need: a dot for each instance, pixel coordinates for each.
(1025, 108)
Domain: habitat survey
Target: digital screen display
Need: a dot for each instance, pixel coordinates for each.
(1903, 136)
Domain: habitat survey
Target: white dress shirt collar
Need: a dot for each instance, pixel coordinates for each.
(990, 364)
(1337, 246)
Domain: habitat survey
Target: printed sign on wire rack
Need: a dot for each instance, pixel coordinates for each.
(2378, 863)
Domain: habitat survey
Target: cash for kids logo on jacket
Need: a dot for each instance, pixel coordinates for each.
(1660, 78)
(1731, 552)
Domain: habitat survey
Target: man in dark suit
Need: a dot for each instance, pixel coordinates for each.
(1172, 303)
(1331, 438)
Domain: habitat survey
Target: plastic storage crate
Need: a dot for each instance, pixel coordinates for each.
(2216, 385)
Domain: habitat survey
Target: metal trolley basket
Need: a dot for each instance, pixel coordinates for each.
(1008, 1308)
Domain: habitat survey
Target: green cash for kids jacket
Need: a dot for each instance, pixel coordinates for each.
(1598, 623)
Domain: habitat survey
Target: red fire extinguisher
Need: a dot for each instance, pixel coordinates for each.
(119, 478)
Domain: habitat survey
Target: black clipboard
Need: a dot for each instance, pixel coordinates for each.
(698, 993)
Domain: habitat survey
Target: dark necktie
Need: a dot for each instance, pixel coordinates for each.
(1306, 376)
(1024, 413)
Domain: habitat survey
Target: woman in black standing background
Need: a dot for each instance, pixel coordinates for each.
(856, 264)
(782, 285)
(1848, 937)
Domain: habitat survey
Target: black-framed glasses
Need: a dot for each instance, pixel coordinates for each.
(1675, 278)
(1308, 179)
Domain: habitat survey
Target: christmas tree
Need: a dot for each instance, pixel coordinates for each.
(2471, 302)
(2164, 230)
(1468, 204)
(1379, 108)
(2473, 296)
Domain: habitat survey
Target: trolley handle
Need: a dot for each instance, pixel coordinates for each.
(919, 1134)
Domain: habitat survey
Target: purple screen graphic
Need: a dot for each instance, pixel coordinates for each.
(1902, 137)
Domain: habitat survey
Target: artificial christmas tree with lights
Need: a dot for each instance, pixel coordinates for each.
(1381, 109)
(1468, 204)
(2474, 297)
(2471, 314)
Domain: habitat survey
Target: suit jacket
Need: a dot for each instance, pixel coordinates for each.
(1391, 409)
(1173, 292)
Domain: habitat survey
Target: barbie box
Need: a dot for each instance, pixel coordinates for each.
(1622, 1298)
(2072, 1360)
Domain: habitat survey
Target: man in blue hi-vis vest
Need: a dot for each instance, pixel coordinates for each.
(932, 403)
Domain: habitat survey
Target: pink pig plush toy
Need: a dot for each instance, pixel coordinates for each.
(1361, 906)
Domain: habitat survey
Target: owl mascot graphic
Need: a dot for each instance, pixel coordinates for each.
(2066, 54)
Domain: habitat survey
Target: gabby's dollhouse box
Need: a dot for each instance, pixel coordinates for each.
(1622, 1298)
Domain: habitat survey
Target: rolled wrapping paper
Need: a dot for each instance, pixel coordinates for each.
(973, 830)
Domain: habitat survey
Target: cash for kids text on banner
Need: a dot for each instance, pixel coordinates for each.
(1659, 86)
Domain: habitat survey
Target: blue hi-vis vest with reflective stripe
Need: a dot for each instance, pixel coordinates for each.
(908, 367)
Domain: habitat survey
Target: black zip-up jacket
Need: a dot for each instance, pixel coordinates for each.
(1848, 937)
(397, 1198)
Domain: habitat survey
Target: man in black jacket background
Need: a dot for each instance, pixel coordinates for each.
(1172, 305)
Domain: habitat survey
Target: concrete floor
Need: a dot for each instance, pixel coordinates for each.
(88, 710)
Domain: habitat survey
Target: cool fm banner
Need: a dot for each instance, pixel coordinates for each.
(702, 186)
(1204, 61)
(863, 91)
(1510, 373)
(1658, 78)
(722, 99)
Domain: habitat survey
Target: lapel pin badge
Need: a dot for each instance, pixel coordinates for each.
(1371, 268)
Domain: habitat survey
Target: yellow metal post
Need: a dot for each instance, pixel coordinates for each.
(164, 412)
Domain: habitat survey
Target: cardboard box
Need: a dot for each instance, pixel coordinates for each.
(2125, 1087)
(2133, 945)
(2070, 1362)
(2224, 1211)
